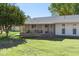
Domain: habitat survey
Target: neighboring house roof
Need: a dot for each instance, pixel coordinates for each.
(54, 19)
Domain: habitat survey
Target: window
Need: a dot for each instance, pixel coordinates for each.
(38, 31)
(46, 31)
(28, 31)
(46, 25)
(63, 24)
(63, 31)
(74, 31)
(33, 26)
(41, 31)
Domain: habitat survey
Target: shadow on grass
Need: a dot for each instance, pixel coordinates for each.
(50, 39)
(10, 42)
(56, 38)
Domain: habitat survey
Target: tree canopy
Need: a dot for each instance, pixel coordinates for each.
(10, 15)
(64, 8)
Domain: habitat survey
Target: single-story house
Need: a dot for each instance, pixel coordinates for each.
(52, 26)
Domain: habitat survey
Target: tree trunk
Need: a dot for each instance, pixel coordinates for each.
(1, 28)
(1, 31)
(7, 32)
(7, 28)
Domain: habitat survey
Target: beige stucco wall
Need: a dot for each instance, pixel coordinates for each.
(58, 29)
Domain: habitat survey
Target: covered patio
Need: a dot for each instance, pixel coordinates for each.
(40, 30)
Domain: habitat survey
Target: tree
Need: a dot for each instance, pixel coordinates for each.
(10, 15)
(64, 8)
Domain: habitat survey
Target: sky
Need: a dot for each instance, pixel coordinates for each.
(35, 9)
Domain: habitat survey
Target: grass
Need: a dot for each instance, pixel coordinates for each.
(42, 47)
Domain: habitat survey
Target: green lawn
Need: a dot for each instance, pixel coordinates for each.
(42, 47)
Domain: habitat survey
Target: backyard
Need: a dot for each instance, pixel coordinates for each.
(38, 47)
